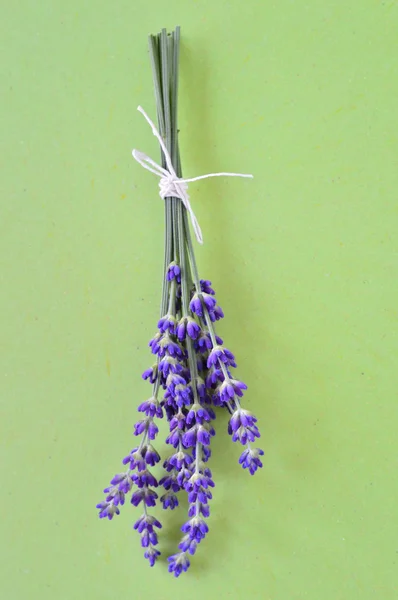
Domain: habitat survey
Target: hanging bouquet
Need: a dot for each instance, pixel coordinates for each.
(192, 370)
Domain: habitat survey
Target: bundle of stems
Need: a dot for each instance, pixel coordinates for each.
(192, 373)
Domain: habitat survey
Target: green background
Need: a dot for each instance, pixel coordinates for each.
(304, 260)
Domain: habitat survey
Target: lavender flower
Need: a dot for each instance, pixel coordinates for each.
(149, 539)
(169, 482)
(151, 408)
(178, 563)
(169, 365)
(203, 343)
(146, 425)
(178, 460)
(174, 272)
(197, 487)
(191, 376)
(222, 355)
(216, 314)
(145, 495)
(121, 484)
(107, 509)
(241, 418)
(196, 303)
(196, 528)
(152, 554)
(249, 459)
(168, 346)
(151, 373)
(188, 325)
(187, 544)
(198, 414)
(227, 390)
(198, 433)
(144, 479)
(169, 500)
(167, 323)
(205, 286)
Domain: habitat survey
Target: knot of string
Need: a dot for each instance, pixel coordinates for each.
(170, 185)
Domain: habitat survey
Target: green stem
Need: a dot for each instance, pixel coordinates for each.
(156, 74)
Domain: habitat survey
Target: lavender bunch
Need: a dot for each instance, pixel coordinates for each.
(191, 373)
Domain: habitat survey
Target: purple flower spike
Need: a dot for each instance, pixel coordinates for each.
(249, 459)
(197, 414)
(182, 329)
(173, 380)
(183, 395)
(169, 482)
(154, 343)
(214, 376)
(246, 434)
(183, 476)
(188, 325)
(150, 455)
(151, 408)
(222, 354)
(178, 421)
(167, 323)
(166, 344)
(197, 487)
(152, 554)
(146, 522)
(196, 528)
(188, 545)
(226, 391)
(141, 426)
(200, 508)
(152, 430)
(169, 365)
(144, 479)
(174, 438)
(178, 563)
(216, 314)
(205, 286)
(203, 343)
(178, 460)
(198, 433)
(206, 453)
(169, 500)
(193, 329)
(240, 418)
(121, 482)
(118, 478)
(144, 495)
(146, 425)
(196, 303)
(174, 272)
(238, 386)
(148, 538)
(136, 460)
(151, 374)
(107, 509)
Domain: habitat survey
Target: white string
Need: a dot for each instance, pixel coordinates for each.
(170, 185)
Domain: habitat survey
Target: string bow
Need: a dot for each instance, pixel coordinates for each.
(170, 185)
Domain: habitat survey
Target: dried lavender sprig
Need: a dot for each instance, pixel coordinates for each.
(191, 363)
(244, 433)
(198, 435)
